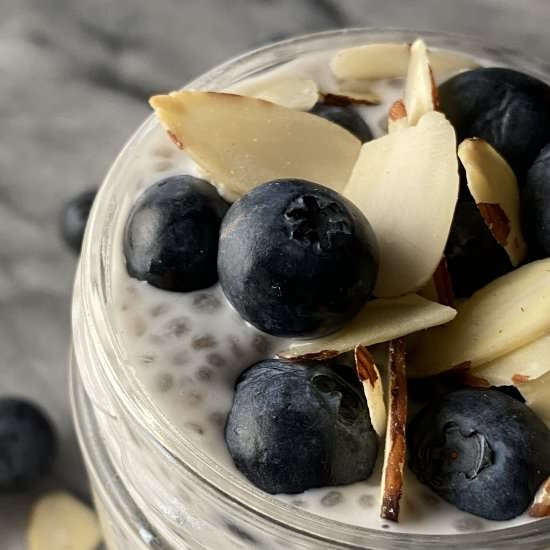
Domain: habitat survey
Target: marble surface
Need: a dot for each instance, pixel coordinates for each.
(74, 77)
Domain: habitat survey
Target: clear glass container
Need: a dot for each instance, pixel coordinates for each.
(189, 502)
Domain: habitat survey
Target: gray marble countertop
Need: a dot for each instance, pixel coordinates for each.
(74, 77)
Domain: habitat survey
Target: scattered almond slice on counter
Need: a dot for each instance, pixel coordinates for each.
(406, 184)
(494, 187)
(368, 373)
(536, 394)
(420, 90)
(61, 522)
(396, 448)
(294, 93)
(541, 503)
(521, 365)
(439, 288)
(508, 313)
(379, 321)
(397, 117)
(390, 60)
(242, 142)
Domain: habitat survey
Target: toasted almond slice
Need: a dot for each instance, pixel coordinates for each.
(536, 394)
(60, 521)
(390, 60)
(541, 503)
(420, 89)
(508, 313)
(242, 142)
(526, 363)
(397, 117)
(439, 288)
(396, 449)
(373, 387)
(494, 187)
(406, 184)
(379, 321)
(294, 93)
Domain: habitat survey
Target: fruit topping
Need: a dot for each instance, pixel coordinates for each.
(508, 109)
(510, 312)
(296, 258)
(481, 450)
(346, 117)
(396, 444)
(28, 445)
(379, 321)
(540, 507)
(406, 184)
(391, 60)
(494, 187)
(535, 201)
(294, 426)
(293, 93)
(241, 142)
(61, 522)
(74, 218)
(420, 90)
(171, 236)
(373, 387)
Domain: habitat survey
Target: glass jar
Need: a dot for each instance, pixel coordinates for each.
(155, 489)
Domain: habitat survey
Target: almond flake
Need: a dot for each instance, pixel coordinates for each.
(390, 60)
(440, 289)
(373, 387)
(397, 117)
(242, 142)
(396, 449)
(406, 184)
(494, 187)
(420, 89)
(541, 503)
(379, 321)
(535, 393)
(510, 312)
(344, 98)
(294, 93)
(60, 521)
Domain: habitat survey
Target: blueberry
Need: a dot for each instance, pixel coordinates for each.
(27, 445)
(535, 203)
(481, 450)
(474, 256)
(296, 258)
(297, 426)
(347, 117)
(172, 232)
(74, 217)
(509, 109)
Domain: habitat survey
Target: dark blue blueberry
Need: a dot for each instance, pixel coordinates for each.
(345, 116)
(296, 426)
(74, 217)
(474, 257)
(481, 450)
(509, 109)
(535, 203)
(27, 445)
(172, 233)
(296, 258)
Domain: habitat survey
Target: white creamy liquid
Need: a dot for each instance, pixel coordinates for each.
(187, 350)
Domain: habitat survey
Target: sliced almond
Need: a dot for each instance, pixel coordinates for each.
(390, 60)
(507, 314)
(494, 187)
(536, 394)
(348, 97)
(541, 503)
(526, 363)
(60, 521)
(397, 117)
(379, 321)
(406, 184)
(439, 288)
(396, 448)
(294, 93)
(242, 142)
(373, 387)
(420, 89)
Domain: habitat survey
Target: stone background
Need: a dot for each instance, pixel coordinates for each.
(74, 77)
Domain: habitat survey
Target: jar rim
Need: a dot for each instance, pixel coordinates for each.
(92, 296)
